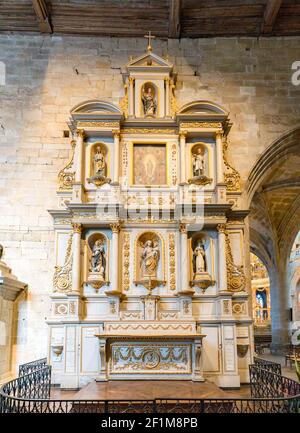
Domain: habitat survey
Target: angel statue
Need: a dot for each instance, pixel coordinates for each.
(199, 260)
(149, 259)
(99, 162)
(149, 102)
(198, 163)
(98, 261)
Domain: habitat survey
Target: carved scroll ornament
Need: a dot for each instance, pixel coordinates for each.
(62, 279)
(66, 176)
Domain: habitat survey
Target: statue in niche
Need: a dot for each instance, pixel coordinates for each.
(98, 259)
(199, 260)
(149, 259)
(99, 163)
(199, 168)
(198, 163)
(201, 277)
(100, 167)
(149, 102)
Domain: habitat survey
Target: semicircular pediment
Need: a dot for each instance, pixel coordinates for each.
(95, 107)
(202, 107)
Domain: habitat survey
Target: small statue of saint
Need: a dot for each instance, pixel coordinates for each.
(98, 261)
(149, 259)
(149, 102)
(199, 260)
(198, 163)
(99, 163)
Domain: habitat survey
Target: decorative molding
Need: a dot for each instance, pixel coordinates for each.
(172, 261)
(104, 124)
(200, 125)
(231, 176)
(65, 176)
(148, 131)
(62, 279)
(126, 262)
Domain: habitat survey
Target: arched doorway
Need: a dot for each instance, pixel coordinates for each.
(274, 201)
(294, 283)
(261, 301)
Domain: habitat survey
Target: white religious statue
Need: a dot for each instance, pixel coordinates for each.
(98, 261)
(99, 163)
(149, 102)
(199, 260)
(149, 259)
(198, 163)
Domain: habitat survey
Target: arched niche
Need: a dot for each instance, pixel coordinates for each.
(143, 253)
(93, 149)
(97, 262)
(149, 91)
(202, 238)
(261, 298)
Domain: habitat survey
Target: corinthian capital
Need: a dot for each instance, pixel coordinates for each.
(77, 228)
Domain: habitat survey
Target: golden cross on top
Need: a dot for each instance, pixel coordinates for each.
(149, 37)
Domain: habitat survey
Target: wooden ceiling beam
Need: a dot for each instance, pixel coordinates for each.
(43, 15)
(174, 19)
(270, 15)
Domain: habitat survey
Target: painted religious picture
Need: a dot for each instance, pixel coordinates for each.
(149, 164)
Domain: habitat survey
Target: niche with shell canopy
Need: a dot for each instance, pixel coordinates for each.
(149, 268)
(99, 167)
(199, 165)
(97, 260)
(201, 260)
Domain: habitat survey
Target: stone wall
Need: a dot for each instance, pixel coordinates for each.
(46, 76)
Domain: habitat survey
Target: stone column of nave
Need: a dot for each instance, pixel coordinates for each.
(222, 257)
(182, 136)
(114, 280)
(76, 265)
(116, 134)
(219, 153)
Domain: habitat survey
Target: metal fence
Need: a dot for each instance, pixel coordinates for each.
(270, 393)
(32, 366)
(268, 365)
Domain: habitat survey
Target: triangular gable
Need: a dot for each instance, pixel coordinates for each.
(149, 59)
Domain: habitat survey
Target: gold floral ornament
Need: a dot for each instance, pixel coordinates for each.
(174, 102)
(231, 175)
(126, 262)
(124, 102)
(236, 280)
(66, 176)
(172, 261)
(62, 279)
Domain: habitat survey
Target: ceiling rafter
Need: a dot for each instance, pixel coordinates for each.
(174, 19)
(42, 12)
(270, 15)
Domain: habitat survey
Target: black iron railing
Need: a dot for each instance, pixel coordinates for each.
(270, 393)
(268, 365)
(30, 367)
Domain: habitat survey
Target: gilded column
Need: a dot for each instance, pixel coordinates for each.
(222, 257)
(131, 97)
(184, 258)
(114, 280)
(116, 134)
(80, 155)
(182, 136)
(76, 282)
(220, 163)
